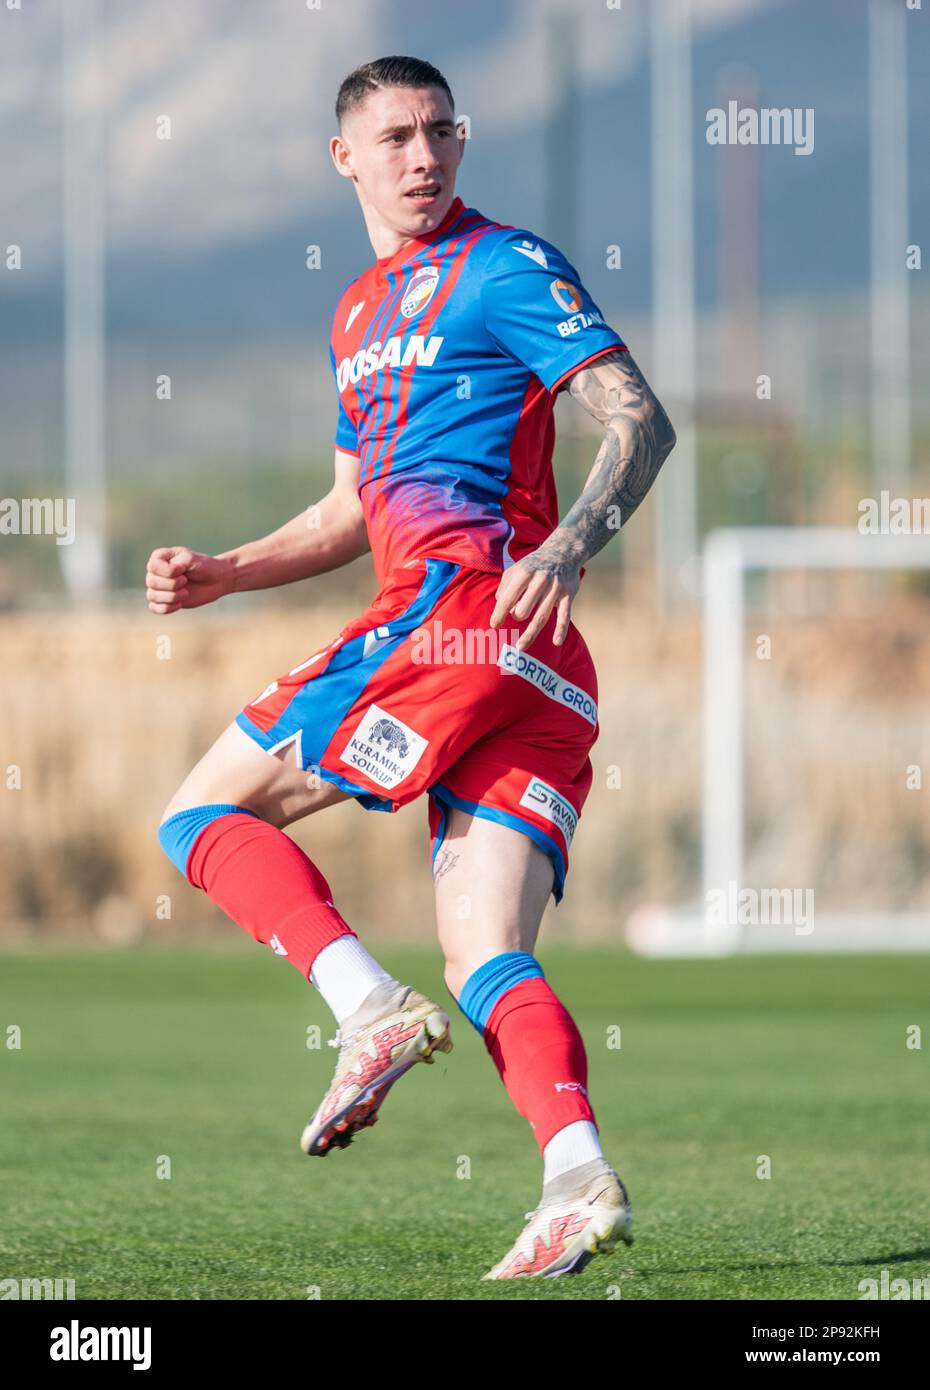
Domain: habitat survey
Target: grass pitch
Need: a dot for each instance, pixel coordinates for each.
(200, 1057)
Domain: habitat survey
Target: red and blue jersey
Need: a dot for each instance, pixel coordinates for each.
(447, 357)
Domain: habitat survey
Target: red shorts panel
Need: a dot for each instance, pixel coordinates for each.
(418, 694)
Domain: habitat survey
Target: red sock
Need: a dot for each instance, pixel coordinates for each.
(266, 883)
(539, 1053)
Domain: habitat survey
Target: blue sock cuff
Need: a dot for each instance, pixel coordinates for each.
(178, 833)
(491, 981)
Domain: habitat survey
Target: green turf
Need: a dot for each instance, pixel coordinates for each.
(201, 1056)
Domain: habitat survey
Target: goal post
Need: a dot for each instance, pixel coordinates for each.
(696, 930)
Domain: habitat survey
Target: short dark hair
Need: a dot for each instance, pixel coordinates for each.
(387, 72)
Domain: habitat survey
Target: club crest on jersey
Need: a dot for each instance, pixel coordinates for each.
(420, 291)
(384, 747)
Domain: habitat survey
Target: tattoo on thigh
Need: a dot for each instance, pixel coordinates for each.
(446, 859)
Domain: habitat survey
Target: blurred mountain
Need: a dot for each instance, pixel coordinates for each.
(207, 232)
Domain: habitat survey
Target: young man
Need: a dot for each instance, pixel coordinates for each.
(448, 353)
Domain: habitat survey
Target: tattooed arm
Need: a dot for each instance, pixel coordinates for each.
(639, 438)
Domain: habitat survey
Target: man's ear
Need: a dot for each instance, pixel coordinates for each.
(341, 155)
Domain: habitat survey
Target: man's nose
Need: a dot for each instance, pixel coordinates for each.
(423, 151)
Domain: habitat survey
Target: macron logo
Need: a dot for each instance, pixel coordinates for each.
(353, 314)
(535, 253)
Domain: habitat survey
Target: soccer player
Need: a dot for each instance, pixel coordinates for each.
(465, 679)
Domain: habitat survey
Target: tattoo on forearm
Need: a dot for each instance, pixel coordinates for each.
(639, 439)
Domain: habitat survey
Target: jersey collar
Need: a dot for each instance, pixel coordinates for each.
(386, 263)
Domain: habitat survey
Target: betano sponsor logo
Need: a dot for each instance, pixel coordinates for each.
(418, 352)
(569, 298)
(566, 295)
(578, 322)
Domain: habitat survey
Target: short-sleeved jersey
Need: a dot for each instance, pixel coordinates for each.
(447, 357)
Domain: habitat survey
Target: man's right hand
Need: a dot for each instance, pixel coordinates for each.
(176, 577)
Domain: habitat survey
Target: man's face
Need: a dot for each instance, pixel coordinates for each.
(402, 139)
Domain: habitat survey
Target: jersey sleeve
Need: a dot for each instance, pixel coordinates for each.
(537, 310)
(346, 433)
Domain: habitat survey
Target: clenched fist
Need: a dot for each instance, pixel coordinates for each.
(176, 577)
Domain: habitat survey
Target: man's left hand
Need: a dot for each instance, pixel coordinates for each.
(541, 581)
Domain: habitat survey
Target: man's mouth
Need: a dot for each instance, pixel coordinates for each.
(425, 193)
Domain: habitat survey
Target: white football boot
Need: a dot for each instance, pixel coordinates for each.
(392, 1030)
(583, 1213)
